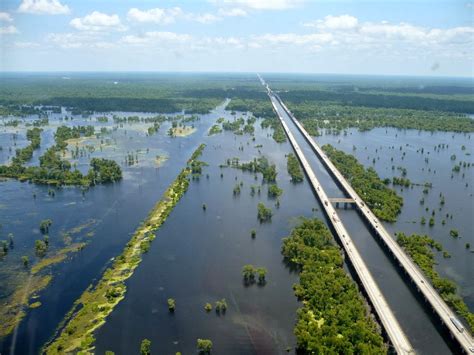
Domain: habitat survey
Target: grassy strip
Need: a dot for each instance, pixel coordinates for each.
(13, 310)
(420, 247)
(384, 202)
(333, 318)
(57, 258)
(96, 303)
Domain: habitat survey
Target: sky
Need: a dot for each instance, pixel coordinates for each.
(397, 37)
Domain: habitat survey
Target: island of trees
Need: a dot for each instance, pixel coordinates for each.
(420, 248)
(384, 202)
(333, 318)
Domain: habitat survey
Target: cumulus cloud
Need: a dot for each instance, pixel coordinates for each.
(5, 16)
(98, 21)
(157, 37)
(27, 44)
(43, 7)
(262, 4)
(157, 15)
(233, 12)
(78, 40)
(206, 18)
(343, 22)
(8, 30)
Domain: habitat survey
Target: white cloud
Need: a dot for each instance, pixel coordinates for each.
(97, 21)
(233, 12)
(78, 40)
(293, 39)
(26, 45)
(204, 18)
(157, 15)
(8, 30)
(263, 4)
(48, 7)
(157, 37)
(5, 16)
(343, 22)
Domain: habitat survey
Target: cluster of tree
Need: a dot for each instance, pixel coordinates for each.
(333, 317)
(55, 171)
(25, 154)
(261, 107)
(264, 214)
(384, 202)
(294, 168)
(153, 128)
(215, 129)
(274, 191)
(257, 165)
(249, 272)
(401, 181)
(420, 248)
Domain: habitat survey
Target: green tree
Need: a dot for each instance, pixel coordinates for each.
(171, 304)
(25, 260)
(204, 346)
(262, 273)
(248, 273)
(145, 347)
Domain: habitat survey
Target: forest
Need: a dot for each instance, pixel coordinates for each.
(332, 318)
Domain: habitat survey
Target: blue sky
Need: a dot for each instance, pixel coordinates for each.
(355, 37)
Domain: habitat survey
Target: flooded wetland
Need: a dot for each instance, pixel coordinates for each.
(149, 218)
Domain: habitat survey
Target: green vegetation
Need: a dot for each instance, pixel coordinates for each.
(145, 347)
(44, 226)
(274, 191)
(419, 248)
(264, 214)
(248, 273)
(215, 129)
(14, 309)
(454, 233)
(333, 318)
(384, 202)
(23, 155)
(208, 307)
(294, 168)
(338, 107)
(97, 302)
(171, 305)
(221, 306)
(204, 346)
(260, 165)
(55, 171)
(144, 93)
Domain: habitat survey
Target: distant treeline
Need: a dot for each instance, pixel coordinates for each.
(380, 100)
